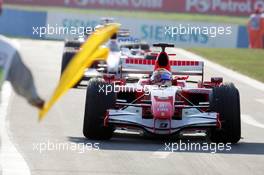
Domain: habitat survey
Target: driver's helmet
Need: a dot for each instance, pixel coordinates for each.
(161, 77)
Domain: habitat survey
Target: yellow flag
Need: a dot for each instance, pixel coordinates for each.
(90, 51)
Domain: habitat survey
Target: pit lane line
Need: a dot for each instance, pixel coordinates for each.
(10, 156)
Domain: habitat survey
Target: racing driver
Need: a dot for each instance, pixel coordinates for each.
(161, 77)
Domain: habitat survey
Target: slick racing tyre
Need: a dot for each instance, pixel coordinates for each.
(73, 44)
(97, 103)
(68, 54)
(226, 101)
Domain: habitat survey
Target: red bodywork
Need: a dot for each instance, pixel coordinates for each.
(171, 107)
(163, 108)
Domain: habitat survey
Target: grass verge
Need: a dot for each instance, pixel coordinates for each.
(246, 61)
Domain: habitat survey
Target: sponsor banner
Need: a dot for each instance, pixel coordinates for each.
(149, 30)
(20, 23)
(215, 7)
(223, 7)
(148, 5)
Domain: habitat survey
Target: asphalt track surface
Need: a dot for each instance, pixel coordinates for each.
(124, 154)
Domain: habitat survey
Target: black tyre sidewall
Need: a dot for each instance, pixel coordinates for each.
(97, 103)
(226, 101)
(68, 54)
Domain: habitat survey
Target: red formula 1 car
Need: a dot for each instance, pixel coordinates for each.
(157, 97)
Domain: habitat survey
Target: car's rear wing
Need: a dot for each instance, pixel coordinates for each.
(178, 67)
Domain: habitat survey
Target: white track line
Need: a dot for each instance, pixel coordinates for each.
(251, 121)
(260, 100)
(230, 73)
(12, 161)
(161, 154)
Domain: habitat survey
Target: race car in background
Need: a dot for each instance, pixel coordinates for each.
(157, 97)
(123, 37)
(116, 51)
(120, 43)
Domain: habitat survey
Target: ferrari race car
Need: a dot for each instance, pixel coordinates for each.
(158, 98)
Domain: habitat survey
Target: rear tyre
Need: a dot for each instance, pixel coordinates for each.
(96, 107)
(225, 100)
(68, 54)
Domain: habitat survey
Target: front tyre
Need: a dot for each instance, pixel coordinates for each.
(97, 103)
(225, 100)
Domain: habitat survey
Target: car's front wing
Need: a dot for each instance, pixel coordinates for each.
(158, 126)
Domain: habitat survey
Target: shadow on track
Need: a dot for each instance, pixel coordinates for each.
(135, 142)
